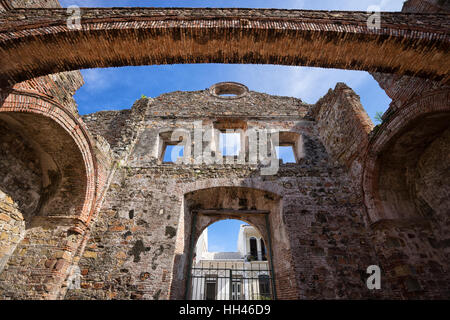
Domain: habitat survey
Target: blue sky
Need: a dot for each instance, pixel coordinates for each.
(223, 235)
(118, 88)
(286, 153)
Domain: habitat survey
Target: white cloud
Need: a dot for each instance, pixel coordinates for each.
(97, 79)
(311, 84)
(308, 84)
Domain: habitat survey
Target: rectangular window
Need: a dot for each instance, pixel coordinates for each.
(230, 143)
(286, 153)
(172, 153)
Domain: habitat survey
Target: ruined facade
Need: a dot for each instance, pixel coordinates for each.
(90, 198)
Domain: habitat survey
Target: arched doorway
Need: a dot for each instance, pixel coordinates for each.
(258, 208)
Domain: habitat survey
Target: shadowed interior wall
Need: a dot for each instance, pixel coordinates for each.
(44, 179)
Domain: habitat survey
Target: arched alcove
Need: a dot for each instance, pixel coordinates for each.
(49, 175)
(46, 175)
(407, 196)
(407, 163)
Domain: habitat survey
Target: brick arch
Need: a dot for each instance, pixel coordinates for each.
(390, 178)
(66, 144)
(42, 44)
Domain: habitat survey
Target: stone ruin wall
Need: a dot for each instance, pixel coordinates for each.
(136, 238)
(138, 248)
(323, 240)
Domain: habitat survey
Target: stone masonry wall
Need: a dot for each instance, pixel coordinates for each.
(319, 239)
(118, 128)
(137, 246)
(409, 217)
(414, 248)
(59, 86)
(344, 128)
(38, 161)
(413, 257)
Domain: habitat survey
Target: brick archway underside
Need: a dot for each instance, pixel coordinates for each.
(60, 137)
(36, 42)
(406, 168)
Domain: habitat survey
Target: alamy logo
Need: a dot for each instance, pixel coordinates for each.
(374, 20)
(74, 20)
(261, 147)
(374, 281)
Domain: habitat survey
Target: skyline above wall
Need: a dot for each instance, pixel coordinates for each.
(119, 88)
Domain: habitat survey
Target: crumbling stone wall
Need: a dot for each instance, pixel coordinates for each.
(432, 172)
(48, 170)
(413, 258)
(47, 187)
(138, 246)
(405, 199)
(410, 228)
(119, 129)
(343, 127)
(59, 86)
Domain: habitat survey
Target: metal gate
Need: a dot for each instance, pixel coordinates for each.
(221, 280)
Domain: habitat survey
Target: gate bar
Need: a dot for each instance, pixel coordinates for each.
(271, 258)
